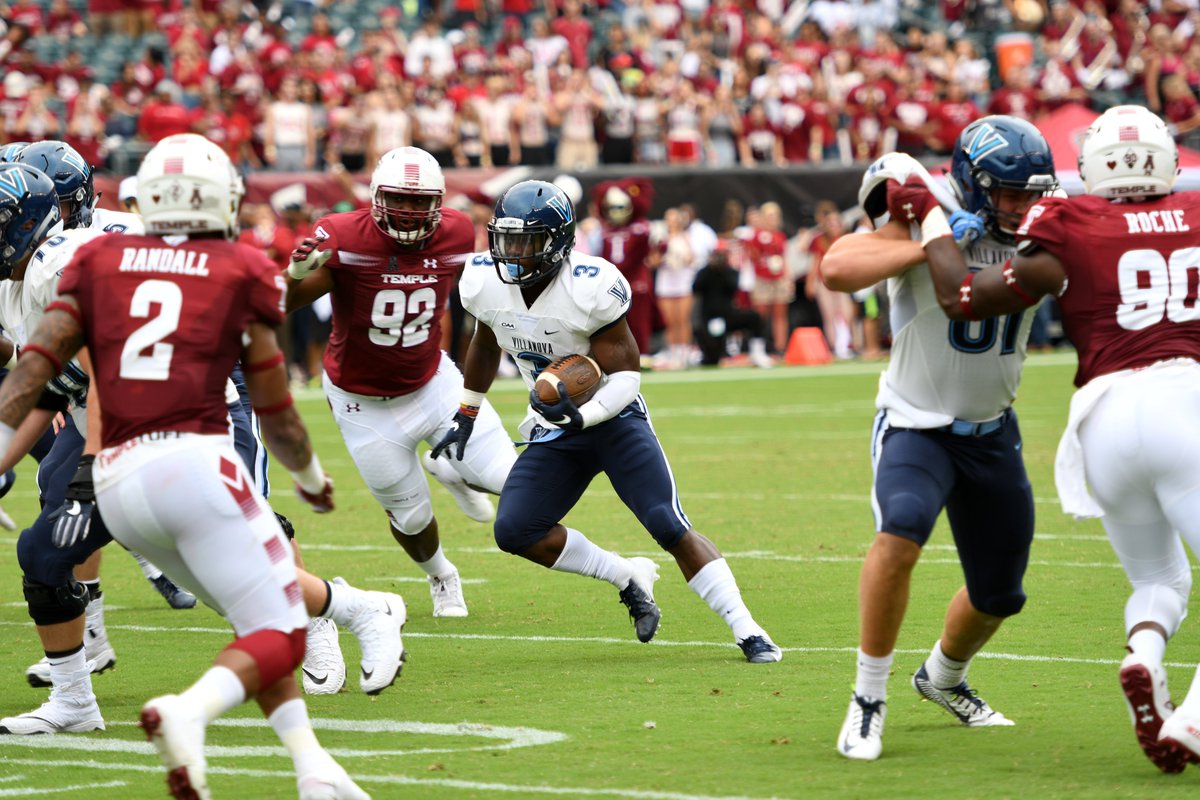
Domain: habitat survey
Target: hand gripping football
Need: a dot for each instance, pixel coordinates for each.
(579, 374)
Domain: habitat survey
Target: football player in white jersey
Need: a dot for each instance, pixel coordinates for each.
(536, 300)
(945, 435)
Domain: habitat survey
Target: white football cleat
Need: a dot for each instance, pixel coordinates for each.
(447, 594)
(100, 658)
(331, 783)
(377, 624)
(324, 669)
(179, 738)
(474, 504)
(861, 737)
(62, 713)
(1182, 731)
(1145, 686)
(962, 701)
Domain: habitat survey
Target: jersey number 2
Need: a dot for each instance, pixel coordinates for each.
(390, 310)
(136, 364)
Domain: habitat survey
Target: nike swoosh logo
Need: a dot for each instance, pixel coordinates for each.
(315, 679)
(551, 333)
(74, 509)
(367, 675)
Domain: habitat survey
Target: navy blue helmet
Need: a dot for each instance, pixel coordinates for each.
(28, 213)
(999, 152)
(71, 175)
(10, 151)
(532, 232)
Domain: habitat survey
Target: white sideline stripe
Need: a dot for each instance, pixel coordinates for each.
(658, 642)
(27, 792)
(11, 778)
(398, 780)
(511, 739)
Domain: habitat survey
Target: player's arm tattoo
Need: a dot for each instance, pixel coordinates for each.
(58, 337)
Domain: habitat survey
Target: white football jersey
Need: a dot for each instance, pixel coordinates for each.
(941, 370)
(117, 222)
(586, 295)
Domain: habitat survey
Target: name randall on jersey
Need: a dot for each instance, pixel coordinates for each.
(164, 259)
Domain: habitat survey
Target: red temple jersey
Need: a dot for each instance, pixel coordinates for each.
(628, 247)
(388, 301)
(1133, 271)
(164, 324)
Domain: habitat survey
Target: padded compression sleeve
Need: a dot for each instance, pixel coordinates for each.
(620, 390)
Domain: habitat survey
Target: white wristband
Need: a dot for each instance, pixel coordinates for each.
(472, 398)
(934, 226)
(311, 478)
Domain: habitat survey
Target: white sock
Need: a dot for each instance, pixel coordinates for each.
(70, 676)
(583, 557)
(945, 672)
(1149, 644)
(716, 586)
(95, 632)
(217, 691)
(149, 570)
(291, 725)
(344, 602)
(438, 565)
(871, 679)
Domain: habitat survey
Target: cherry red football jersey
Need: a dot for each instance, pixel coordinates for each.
(388, 301)
(163, 324)
(628, 247)
(1133, 270)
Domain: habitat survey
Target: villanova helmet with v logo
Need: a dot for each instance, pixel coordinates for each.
(532, 232)
(999, 152)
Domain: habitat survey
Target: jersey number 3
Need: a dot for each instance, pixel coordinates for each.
(155, 365)
(404, 318)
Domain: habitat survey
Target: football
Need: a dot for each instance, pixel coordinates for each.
(579, 374)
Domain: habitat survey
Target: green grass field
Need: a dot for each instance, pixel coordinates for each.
(544, 692)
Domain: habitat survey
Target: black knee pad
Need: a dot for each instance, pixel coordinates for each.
(512, 537)
(52, 605)
(664, 525)
(1007, 604)
(910, 516)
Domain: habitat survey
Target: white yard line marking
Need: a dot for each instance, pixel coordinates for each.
(658, 642)
(80, 787)
(401, 780)
(401, 579)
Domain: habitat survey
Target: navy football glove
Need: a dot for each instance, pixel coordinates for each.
(73, 519)
(464, 424)
(563, 413)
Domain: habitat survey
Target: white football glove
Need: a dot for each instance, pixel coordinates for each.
(307, 259)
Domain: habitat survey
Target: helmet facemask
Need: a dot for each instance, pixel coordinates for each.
(406, 215)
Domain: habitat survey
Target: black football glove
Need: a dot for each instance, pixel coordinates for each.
(563, 413)
(73, 519)
(464, 423)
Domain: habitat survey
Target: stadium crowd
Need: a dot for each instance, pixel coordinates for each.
(296, 86)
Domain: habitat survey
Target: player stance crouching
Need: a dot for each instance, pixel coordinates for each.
(537, 301)
(168, 481)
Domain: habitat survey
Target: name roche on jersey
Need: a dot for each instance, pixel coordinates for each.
(164, 259)
(1169, 220)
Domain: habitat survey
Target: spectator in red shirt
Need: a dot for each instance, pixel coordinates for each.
(1017, 97)
(953, 113)
(63, 22)
(164, 115)
(26, 14)
(774, 289)
(1181, 110)
(575, 28)
(319, 36)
